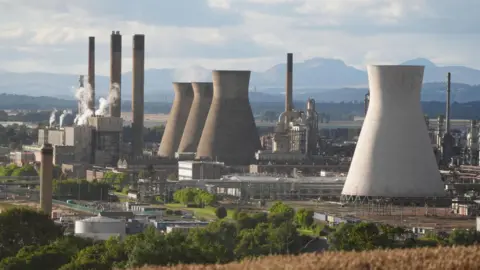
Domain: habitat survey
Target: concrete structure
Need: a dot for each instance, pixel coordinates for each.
(46, 179)
(100, 228)
(106, 139)
(393, 156)
(203, 93)
(289, 84)
(230, 134)
(138, 93)
(176, 119)
(116, 73)
(188, 170)
(91, 72)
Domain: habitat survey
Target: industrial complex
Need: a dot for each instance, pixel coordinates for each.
(393, 156)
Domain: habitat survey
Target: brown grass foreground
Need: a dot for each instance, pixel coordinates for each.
(445, 258)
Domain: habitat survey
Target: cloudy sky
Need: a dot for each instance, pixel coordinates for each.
(52, 35)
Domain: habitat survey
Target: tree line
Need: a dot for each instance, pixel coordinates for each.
(30, 240)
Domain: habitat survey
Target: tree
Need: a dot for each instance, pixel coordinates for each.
(221, 212)
(21, 227)
(282, 208)
(304, 218)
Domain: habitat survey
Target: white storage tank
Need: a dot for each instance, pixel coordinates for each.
(100, 228)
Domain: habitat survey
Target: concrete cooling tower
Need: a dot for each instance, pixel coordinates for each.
(202, 99)
(394, 156)
(176, 119)
(230, 134)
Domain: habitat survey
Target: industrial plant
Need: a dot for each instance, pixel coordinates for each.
(393, 156)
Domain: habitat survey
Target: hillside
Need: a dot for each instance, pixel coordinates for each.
(327, 79)
(446, 258)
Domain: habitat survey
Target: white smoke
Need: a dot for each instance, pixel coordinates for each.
(52, 117)
(62, 116)
(83, 95)
(192, 74)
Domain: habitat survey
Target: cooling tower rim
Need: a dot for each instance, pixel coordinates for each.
(396, 66)
(230, 71)
(181, 83)
(195, 82)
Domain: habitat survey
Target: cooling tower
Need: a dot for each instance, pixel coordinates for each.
(202, 99)
(138, 94)
(91, 72)
(394, 157)
(116, 73)
(230, 134)
(176, 119)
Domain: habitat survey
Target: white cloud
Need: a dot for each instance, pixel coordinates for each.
(51, 35)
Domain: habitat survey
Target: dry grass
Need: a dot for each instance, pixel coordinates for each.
(445, 258)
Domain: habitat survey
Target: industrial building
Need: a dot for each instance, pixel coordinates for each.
(189, 170)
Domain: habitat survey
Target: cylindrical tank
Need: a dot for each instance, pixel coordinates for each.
(230, 134)
(176, 119)
(202, 99)
(100, 225)
(394, 157)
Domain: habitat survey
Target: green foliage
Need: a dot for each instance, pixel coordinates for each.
(194, 195)
(304, 218)
(221, 212)
(282, 208)
(118, 181)
(8, 170)
(21, 227)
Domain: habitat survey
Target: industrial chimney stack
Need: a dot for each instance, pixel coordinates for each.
(138, 94)
(230, 134)
(91, 72)
(289, 84)
(46, 178)
(449, 77)
(116, 73)
(176, 119)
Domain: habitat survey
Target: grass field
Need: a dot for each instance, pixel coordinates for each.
(206, 213)
(446, 258)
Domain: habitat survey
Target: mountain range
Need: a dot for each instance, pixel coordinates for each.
(321, 78)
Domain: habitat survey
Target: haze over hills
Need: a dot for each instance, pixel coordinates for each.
(320, 78)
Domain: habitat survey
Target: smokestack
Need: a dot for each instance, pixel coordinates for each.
(116, 73)
(394, 124)
(46, 178)
(176, 119)
(138, 93)
(91, 71)
(447, 126)
(202, 99)
(230, 134)
(289, 86)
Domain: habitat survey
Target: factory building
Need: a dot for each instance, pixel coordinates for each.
(188, 170)
(296, 133)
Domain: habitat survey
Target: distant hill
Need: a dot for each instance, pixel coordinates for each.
(318, 77)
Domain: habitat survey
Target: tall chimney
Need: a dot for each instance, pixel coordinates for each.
(116, 73)
(46, 178)
(138, 95)
(289, 86)
(91, 71)
(447, 113)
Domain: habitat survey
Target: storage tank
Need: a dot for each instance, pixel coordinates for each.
(176, 119)
(393, 156)
(230, 134)
(100, 228)
(202, 99)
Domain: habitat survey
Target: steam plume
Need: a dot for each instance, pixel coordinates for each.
(83, 95)
(52, 117)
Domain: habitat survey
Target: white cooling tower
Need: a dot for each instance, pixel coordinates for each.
(394, 157)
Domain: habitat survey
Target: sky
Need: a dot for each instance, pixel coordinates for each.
(52, 35)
